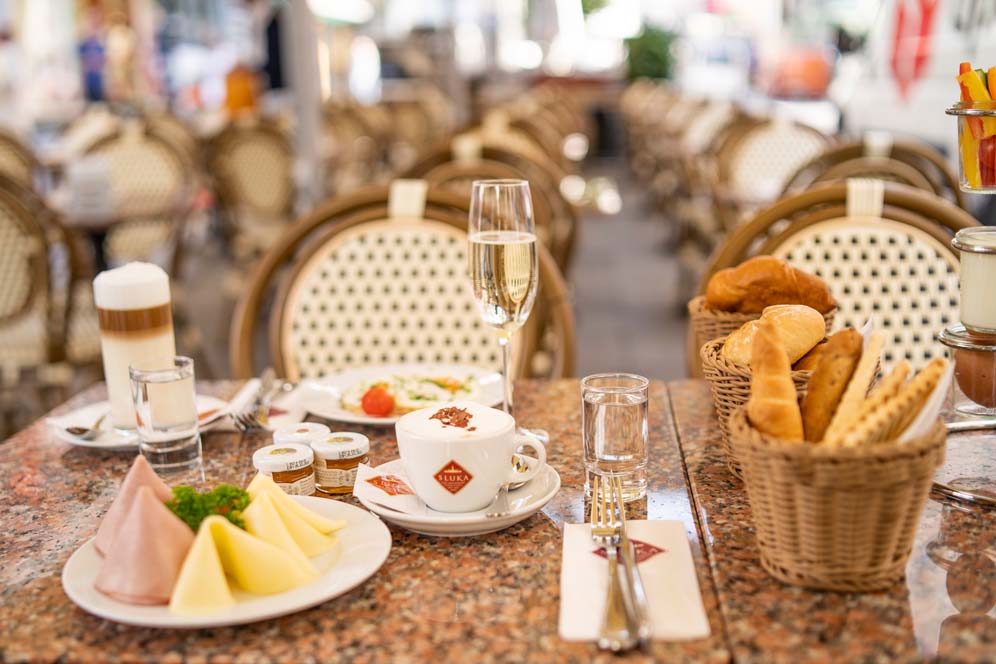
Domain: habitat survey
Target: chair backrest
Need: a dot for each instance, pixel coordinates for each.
(755, 166)
(459, 176)
(149, 177)
(23, 257)
(927, 161)
(365, 288)
(879, 168)
(176, 132)
(898, 266)
(17, 161)
(252, 163)
(563, 215)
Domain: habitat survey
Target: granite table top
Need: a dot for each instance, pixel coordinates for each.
(493, 597)
(945, 610)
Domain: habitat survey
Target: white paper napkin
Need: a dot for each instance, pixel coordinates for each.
(668, 571)
(925, 419)
(391, 490)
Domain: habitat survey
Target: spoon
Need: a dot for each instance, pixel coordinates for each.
(87, 434)
(499, 506)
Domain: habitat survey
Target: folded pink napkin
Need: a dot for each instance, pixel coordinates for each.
(665, 562)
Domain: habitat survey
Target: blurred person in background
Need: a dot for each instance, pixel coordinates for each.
(92, 56)
(121, 59)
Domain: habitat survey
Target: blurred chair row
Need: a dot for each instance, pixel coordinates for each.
(711, 165)
(128, 188)
(873, 216)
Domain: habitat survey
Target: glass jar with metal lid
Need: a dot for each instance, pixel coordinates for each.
(977, 246)
(976, 138)
(974, 355)
(290, 466)
(337, 456)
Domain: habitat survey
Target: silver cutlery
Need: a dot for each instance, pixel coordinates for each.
(245, 419)
(85, 433)
(971, 425)
(638, 593)
(499, 507)
(616, 634)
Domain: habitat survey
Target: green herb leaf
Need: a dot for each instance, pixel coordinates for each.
(193, 507)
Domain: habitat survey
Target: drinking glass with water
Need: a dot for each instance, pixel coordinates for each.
(166, 414)
(614, 430)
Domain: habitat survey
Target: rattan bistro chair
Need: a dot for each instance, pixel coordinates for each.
(897, 266)
(17, 161)
(924, 159)
(446, 162)
(252, 163)
(348, 286)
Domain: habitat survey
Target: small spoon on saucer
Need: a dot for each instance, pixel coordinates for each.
(87, 434)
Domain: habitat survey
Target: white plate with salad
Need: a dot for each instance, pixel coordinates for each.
(379, 395)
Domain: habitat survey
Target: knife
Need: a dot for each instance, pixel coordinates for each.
(635, 580)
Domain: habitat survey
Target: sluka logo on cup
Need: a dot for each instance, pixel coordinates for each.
(453, 477)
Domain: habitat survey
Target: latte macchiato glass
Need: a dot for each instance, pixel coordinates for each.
(136, 330)
(458, 456)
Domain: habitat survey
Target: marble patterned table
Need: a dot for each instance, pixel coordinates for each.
(493, 597)
(946, 610)
(496, 597)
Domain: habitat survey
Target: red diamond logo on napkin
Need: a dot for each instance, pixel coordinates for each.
(453, 477)
(392, 485)
(644, 551)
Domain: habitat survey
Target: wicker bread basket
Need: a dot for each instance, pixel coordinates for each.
(708, 324)
(730, 386)
(836, 518)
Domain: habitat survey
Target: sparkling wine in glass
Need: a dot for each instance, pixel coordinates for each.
(503, 261)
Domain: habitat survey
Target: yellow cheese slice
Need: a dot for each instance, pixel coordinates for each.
(201, 587)
(263, 521)
(254, 565)
(310, 540)
(264, 483)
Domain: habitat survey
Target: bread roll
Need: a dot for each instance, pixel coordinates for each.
(809, 361)
(772, 407)
(830, 378)
(763, 281)
(800, 327)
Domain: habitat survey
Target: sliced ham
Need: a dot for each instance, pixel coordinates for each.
(144, 559)
(140, 474)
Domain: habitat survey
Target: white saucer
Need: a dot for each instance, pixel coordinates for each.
(362, 548)
(113, 439)
(525, 502)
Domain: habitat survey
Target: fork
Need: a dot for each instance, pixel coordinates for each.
(247, 419)
(615, 634)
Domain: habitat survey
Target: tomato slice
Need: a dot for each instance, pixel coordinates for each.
(377, 402)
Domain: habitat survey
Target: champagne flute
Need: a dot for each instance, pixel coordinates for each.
(503, 263)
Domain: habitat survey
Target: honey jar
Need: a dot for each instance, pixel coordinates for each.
(337, 456)
(290, 465)
(301, 433)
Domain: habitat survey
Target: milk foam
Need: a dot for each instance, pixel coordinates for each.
(485, 421)
(131, 286)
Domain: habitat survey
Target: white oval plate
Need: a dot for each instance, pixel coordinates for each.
(322, 396)
(112, 439)
(363, 547)
(525, 502)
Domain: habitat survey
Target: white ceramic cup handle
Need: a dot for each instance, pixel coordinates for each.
(521, 441)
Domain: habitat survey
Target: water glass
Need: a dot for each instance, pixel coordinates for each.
(614, 430)
(166, 414)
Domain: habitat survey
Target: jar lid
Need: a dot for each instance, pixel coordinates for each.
(978, 240)
(986, 108)
(301, 433)
(341, 445)
(956, 336)
(282, 457)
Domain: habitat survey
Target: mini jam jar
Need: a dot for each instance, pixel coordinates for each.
(337, 456)
(301, 433)
(973, 390)
(290, 465)
(977, 246)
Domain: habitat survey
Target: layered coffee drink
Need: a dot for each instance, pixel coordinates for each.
(136, 329)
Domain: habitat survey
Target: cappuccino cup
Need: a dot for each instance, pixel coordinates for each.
(458, 456)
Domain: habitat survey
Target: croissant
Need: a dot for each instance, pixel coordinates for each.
(772, 408)
(763, 281)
